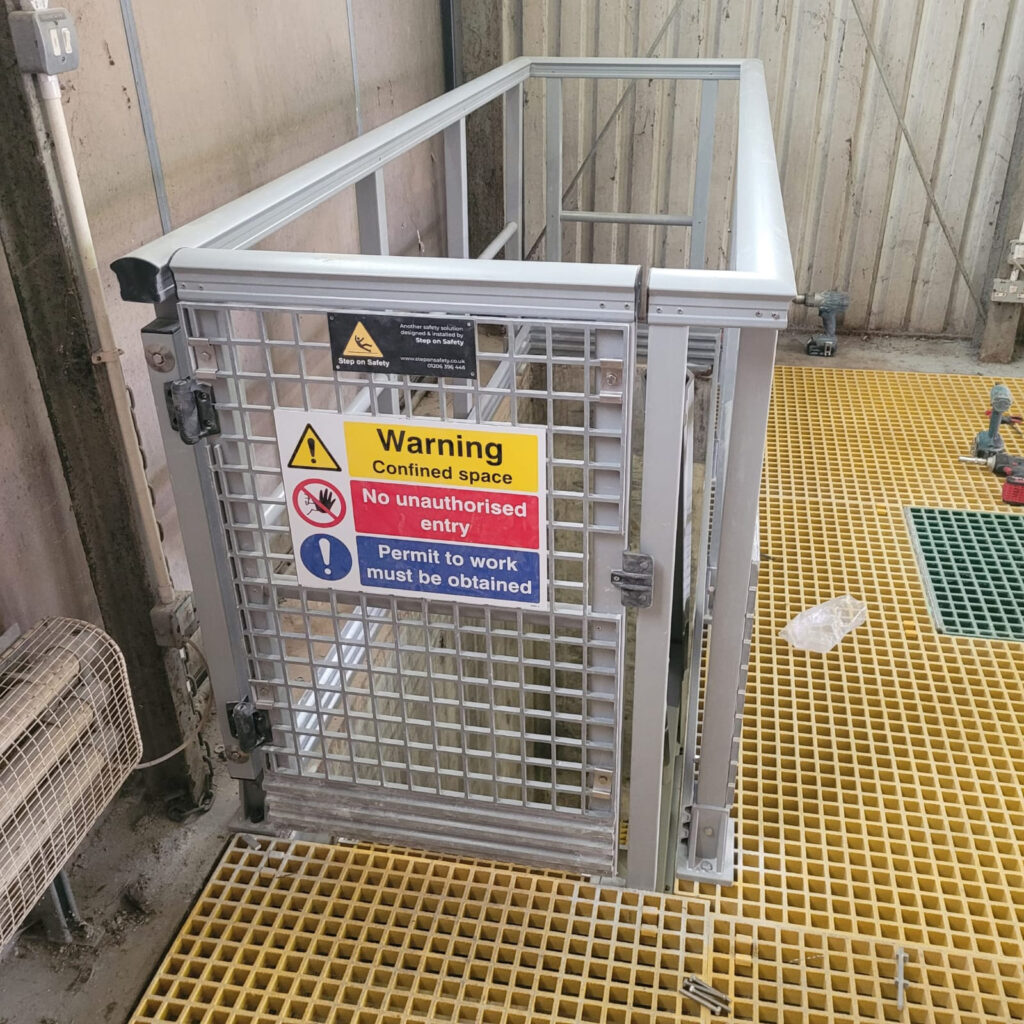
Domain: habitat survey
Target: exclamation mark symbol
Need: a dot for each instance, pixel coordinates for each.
(325, 551)
(312, 449)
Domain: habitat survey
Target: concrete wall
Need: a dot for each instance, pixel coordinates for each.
(42, 566)
(241, 91)
(858, 189)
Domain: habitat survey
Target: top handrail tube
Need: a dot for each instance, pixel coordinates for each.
(244, 221)
(763, 266)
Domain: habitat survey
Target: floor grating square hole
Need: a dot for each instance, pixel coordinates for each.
(972, 564)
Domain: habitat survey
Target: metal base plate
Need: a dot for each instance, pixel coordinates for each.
(722, 873)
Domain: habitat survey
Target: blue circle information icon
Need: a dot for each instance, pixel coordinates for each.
(325, 557)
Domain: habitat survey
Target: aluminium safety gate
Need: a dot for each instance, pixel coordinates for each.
(482, 721)
(407, 718)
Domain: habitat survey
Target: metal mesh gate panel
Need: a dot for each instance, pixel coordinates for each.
(492, 730)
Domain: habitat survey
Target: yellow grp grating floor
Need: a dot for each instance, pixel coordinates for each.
(880, 806)
(296, 931)
(881, 788)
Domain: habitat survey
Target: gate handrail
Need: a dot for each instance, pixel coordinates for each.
(762, 265)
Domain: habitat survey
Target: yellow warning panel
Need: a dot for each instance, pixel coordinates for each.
(361, 345)
(312, 453)
(427, 452)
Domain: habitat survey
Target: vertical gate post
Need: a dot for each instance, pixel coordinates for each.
(455, 190)
(197, 503)
(553, 169)
(702, 173)
(710, 841)
(372, 215)
(651, 851)
(513, 135)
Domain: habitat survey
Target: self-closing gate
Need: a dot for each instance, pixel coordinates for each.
(435, 611)
(489, 723)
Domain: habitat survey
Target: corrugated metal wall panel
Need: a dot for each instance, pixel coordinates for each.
(860, 214)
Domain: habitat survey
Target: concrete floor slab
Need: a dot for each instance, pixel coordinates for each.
(134, 878)
(895, 352)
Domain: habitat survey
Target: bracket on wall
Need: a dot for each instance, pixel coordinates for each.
(1011, 289)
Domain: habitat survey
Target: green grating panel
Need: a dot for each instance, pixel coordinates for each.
(973, 568)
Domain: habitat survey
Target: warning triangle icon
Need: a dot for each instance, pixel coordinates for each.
(312, 453)
(361, 345)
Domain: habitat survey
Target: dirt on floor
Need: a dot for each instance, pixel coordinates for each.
(896, 352)
(134, 879)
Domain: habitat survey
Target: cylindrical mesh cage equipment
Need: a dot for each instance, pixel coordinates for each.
(438, 510)
(68, 740)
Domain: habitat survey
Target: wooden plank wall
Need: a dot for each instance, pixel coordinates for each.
(858, 210)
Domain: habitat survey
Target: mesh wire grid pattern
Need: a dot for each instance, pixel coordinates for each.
(295, 931)
(413, 696)
(866, 437)
(68, 740)
(973, 567)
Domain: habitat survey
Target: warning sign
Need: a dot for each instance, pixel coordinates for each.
(423, 346)
(361, 344)
(311, 452)
(319, 503)
(408, 510)
(419, 505)
(435, 453)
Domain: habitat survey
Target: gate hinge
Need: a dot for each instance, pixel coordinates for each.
(249, 725)
(191, 409)
(635, 580)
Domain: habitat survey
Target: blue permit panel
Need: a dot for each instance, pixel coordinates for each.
(463, 570)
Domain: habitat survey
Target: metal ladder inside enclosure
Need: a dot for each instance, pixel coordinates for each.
(370, 682)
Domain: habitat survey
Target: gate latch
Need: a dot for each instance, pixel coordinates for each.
(249, 725)
(191, 409)
(635, 580)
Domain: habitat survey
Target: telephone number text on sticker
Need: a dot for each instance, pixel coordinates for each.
(497, 574)
(412, 510)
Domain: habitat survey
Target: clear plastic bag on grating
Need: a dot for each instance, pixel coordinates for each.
(822, 626)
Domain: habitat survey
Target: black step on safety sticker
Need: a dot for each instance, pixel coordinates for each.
(417, 346)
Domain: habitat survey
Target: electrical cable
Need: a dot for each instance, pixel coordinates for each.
(165, 757)
(181, 808)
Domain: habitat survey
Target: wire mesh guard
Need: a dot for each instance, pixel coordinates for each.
(462, 716)
(68, 740)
